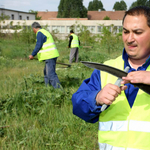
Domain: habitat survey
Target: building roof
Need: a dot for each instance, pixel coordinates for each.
(52, 15)
(92, 15)
(100, 15)
(47, 15)
(16, 11)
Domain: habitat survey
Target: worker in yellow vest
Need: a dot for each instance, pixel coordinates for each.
(74, 45)
(125, 123)
(46, 50)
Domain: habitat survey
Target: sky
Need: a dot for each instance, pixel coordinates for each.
(51, 5)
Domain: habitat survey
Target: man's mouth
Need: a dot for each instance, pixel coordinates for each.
(131, 46)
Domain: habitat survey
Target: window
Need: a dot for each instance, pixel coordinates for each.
(77, 29)
(48, 28)
(91, 29)
(20, 17)
(60, 29)
(115, 29)
(99, 29)
(55, 29)
(120, 28)
(68, 29)
(109, 28)
(12, 17)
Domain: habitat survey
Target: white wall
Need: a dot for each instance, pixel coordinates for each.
(63, 26)
(17, 15)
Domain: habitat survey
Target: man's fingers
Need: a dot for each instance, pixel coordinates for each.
(123, 88)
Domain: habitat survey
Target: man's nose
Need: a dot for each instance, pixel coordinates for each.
(130, 38)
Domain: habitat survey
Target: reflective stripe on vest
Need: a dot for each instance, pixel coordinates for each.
(141, 126)
(104, 146)
(41, 51)
(46, 45)
(48, 49)
(75, 41)
(122, 127)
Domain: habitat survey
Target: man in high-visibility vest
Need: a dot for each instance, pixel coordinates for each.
(74, 45)
(46, 50)
(125, 123)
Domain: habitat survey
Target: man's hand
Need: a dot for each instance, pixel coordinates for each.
(108, 94)
(31, 57)
(137, 77)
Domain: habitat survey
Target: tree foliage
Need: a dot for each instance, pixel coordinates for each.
(120, 5)
(35, 12)
(4, 17)
(95, 5)
(116, 6)
(148, 3)
(106, 18)
(140, 3)
(134, 4)
(71, 9)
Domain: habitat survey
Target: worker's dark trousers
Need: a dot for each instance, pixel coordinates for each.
(50, 75)
(74, 53)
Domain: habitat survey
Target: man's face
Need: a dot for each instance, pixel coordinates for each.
(136, 37)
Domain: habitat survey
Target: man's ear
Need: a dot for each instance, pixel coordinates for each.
(34, 30)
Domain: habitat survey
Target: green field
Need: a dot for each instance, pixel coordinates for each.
(36, 117)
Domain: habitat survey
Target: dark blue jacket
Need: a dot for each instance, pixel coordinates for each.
(41, 38)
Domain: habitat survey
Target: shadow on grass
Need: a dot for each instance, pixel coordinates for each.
(70, 81)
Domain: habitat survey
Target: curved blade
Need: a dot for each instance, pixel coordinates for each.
(116, 72)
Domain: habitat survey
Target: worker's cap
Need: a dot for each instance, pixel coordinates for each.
(36, 25)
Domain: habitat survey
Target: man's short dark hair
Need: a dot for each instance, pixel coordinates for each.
(71, 31)
(139, 10)
(36, 25)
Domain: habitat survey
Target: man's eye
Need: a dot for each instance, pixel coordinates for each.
(138, 32)
(125, 32)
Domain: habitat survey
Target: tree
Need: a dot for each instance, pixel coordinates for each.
(134, 4)
(90, 7)
(116, 6)
(4, 17)
(120, 5)
(140, 3)
(148, 3)
(71, 9)
(106, 18)
(35, 12)
(95, 5)
(123, 5)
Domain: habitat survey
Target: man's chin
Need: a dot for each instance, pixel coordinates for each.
(133, 57)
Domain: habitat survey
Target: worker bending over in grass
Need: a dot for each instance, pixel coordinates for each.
(46, 50)
(125, 123)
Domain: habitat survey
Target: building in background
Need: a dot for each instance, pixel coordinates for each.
(17, 15)
(61, 26)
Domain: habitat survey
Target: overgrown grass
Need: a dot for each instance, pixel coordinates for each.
(36, 117)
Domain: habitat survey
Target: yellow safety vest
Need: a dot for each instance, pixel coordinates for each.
(122, 127)
(48, 49)
(75, 41)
